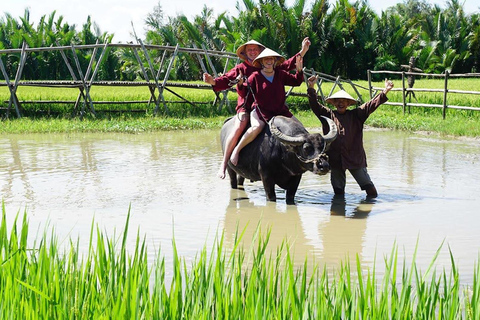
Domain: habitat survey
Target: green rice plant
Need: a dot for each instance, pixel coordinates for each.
(140, 117)
(40, 280)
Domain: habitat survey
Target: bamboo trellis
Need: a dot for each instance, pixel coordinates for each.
(337, 82)
(84, 80)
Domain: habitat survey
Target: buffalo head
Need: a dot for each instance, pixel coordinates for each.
(309, 148)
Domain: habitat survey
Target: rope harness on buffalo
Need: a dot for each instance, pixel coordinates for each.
(322, 154)
(249, 90)
(316, 159)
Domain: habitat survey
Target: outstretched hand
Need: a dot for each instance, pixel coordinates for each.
(388, 86)
(312, 80)
(305, 46)
(299, 63)
(208, 79)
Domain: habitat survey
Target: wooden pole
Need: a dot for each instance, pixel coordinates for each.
(165, 78)
(404, 96)
(155, 77)
(224, 92)
(445, 93)
(10, 88)
(82, 78)
(369, 76)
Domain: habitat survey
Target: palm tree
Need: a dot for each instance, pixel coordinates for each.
(473, 39)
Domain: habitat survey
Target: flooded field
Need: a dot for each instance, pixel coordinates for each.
(428, 194)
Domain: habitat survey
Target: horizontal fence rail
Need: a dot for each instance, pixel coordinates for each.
(406, 89)
(83, 80)
(152, 71)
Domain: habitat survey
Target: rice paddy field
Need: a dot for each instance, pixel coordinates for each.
(203, 113)
(43, 278)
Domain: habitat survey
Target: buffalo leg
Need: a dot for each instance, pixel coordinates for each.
(292, 189)
(233, 178)
(269, 186)
(240, 180)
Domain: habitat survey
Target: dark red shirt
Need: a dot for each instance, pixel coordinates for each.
(222, 82)
(346, 151)
(270, 96)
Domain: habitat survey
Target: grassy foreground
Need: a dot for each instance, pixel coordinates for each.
(39, 281)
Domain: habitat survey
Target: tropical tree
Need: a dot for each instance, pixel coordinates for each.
(473, 38)
(347, 38)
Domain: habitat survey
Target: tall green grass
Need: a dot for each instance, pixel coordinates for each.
(42, 281)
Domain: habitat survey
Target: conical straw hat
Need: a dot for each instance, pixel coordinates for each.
(342, 94)
(267, 53)
(241, 50)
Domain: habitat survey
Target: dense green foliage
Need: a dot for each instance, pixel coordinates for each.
(40, 280)
(347, 38)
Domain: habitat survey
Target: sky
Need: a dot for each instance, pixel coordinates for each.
(118, 16)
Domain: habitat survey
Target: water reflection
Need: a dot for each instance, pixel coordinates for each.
(339, 207)
(428, 190)
(343, 235)
(281, 222)
(323, 236)
(14, 166)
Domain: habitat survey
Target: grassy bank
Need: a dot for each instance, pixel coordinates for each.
(456, 124)
(138, 117)
(42, 281)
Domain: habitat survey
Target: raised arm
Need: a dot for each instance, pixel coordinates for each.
(316, 107)
(290, 64)
(225, 81)
(305, 46)
(388, 86)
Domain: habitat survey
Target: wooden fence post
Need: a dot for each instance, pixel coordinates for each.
(369, 76)
(445, 92)
(404, 96)
(13, 86)
(88, 98)
(155, 78)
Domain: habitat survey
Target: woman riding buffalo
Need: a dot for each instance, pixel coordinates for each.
(267, 86)
(248, 52)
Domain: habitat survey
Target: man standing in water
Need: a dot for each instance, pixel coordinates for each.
(347, 152)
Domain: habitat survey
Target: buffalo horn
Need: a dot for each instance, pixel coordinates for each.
(332, 134)
(282, 137)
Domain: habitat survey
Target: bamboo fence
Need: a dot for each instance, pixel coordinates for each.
(156, 78)
(406, 90)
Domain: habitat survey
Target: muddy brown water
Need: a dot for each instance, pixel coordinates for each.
(429, 194)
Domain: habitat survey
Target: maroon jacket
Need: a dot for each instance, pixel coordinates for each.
(346, 151)
(270, 96)
(222, 82)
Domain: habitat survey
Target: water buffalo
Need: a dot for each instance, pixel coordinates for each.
(281, 155)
